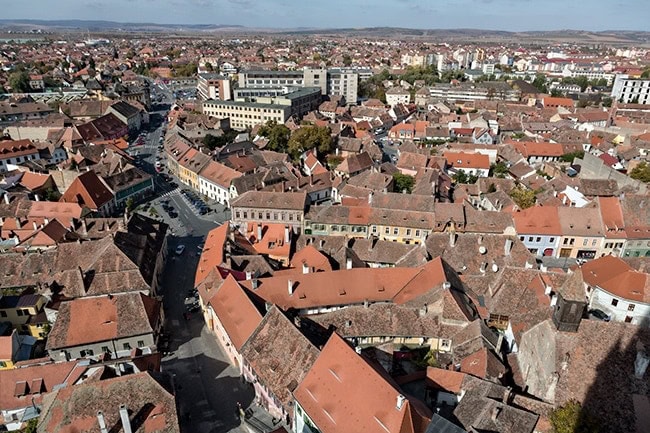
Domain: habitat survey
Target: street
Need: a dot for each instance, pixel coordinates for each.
(207, 386)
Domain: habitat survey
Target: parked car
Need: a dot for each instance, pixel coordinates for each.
(179, 249)
(599, 315)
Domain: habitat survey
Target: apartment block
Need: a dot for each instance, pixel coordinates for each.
(631, 90)
(214, 86)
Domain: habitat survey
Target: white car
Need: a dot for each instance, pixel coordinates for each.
(179, 249)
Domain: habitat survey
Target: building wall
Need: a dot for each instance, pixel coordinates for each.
(581, 247)
(15, 160)
(625, 310)
(263, 395)
(246, 115)
(637, 248)
(243, 215)
(538, 244)
(222, 337)
(115, 347)
(214, 191)
(629, 90)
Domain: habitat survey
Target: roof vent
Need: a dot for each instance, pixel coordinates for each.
(400, 401)
(482, 249)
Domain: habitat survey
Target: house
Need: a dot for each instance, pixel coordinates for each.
(476, 164)
(483, 136)
(16, 152)
(138, 403)
(402, 131)
(277, 357)
(555, 102)
(215, 180)
(190, 165)
(615, 287)
(22, 389)
(614, 231)
(582, 232)
(343, 392)
(230, 315)
(397, 95)
(354, 164)
(128, 114)
(261, 206)
(15, 348)
(539, 229)
(25, 313)
(111, 324)
(271, 240)
(90, 191)
(539, 152)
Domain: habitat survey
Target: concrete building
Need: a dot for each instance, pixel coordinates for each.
(397, 95)
(252, 110)
(631, 90)
(343, 82)
(214, 86)
(264, 78)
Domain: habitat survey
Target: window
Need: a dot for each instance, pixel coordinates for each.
(90, 352)
(140, 343)
(395, 231)
(551, 240)
(127, 346)
(3, 314)
(530, 238)
(105, 349)
(408, 232)
(630, 307)
(585, 242)
(290, 217)
(566, 241)
(614, 302)
(572, 241)
(521, 238)
(593, 243)
(374, 229)
(245, 215)
(628, 319)
(538, 239)
(268, 215)
(417, 233)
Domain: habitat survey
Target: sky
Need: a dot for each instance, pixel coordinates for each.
(517, 15)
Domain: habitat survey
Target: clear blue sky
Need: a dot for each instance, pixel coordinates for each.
(483, 14)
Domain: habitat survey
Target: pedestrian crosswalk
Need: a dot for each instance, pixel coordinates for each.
(171, 192)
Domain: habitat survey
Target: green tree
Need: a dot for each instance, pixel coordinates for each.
(208, 66)
(31, 426)
(461, 177)
(641, 172)
(130, 203)
(307, 138)
(500, 169)
(19, 82)
(569, 157)
(347, 60)
(403, 182)
(277, 134)
(572, 418)
(524, 198)
(540, 83)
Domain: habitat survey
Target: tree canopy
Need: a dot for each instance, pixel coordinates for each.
(572, 418)
(309, 137)
(403, 182)
(641, 172)
(19, 82)
(524, 198)
(277, 134)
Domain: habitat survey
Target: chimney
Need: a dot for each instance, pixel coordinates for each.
(84, 227)
(18, 223)
(305, 268)
(101, 422)
(348, 263)
(7, 198)
(452, 239)
(547, 290)
(370, 197)
(507, 394)
(290, 287)
(35, 225)
(249, 275)
(259, 232)
(255, 283)
(507, 248)
(124, 415)
(400, 401)
(495, 413)
(358, 350)
(46, 221)
(528, 265)
(483, 267)
(641, 362)
(311, 179)
(287, 237)
(36, 197)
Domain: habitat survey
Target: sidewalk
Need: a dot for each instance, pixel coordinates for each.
(257, 420)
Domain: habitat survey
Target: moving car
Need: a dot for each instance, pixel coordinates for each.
(599, 315)
(179, 249)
